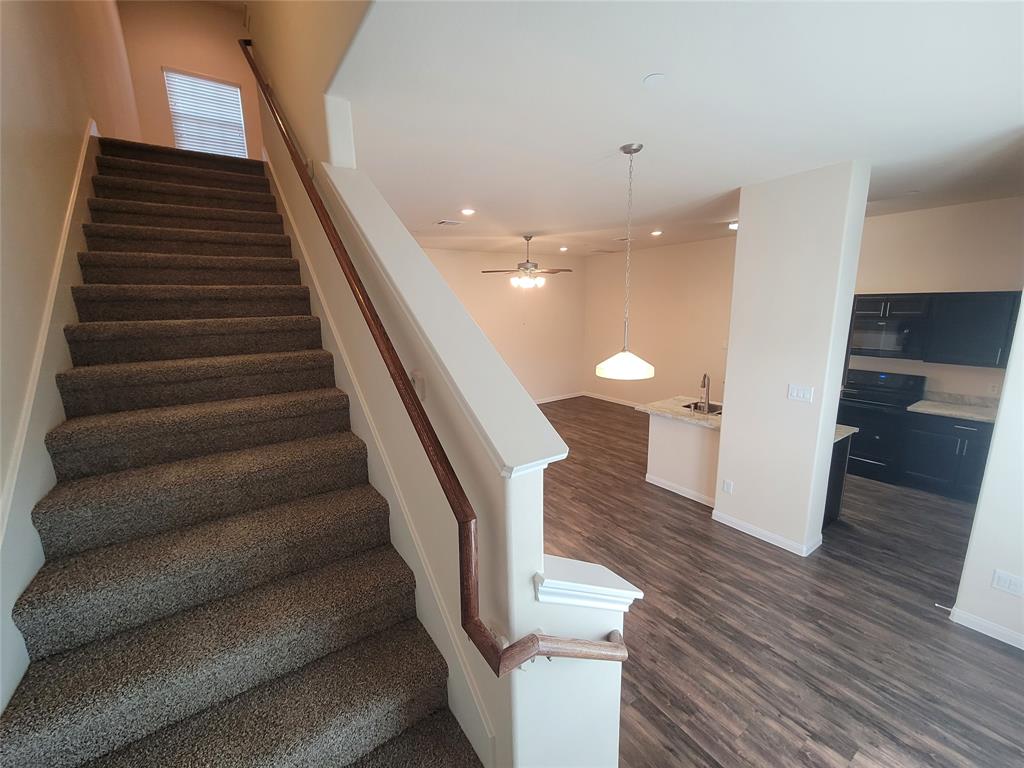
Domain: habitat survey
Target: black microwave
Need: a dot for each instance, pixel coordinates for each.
(887, 338)
(889, 326)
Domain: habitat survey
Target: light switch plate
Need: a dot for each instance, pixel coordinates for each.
(1008, 582)
(801, 393)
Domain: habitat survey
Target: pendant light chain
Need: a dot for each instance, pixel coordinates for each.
(629, 247)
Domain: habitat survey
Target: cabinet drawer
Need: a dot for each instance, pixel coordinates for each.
(943, 425)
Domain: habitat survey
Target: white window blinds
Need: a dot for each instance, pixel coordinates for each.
(206, 114)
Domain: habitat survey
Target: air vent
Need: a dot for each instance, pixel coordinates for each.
(447, 223)
(602, 250)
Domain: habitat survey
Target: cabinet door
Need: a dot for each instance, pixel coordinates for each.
(911, 305)
(931, 460)
(869, 306)
(969, 328)
(973, 454)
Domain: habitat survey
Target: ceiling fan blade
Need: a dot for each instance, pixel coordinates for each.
(497, 271)
(550, 271)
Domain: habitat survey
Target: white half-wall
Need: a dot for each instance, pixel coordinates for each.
(796, 264)
(997, 538)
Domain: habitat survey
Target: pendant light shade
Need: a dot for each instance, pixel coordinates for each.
(624, 365)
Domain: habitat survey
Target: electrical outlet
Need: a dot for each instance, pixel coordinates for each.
(1007, 582)
(801, 393)
(727, 486)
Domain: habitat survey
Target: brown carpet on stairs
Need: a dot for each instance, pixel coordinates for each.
(219, 587)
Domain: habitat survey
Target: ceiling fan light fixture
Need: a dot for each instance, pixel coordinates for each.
(539, 281)
(515, 281)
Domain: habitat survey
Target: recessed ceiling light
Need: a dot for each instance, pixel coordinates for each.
(656, 233)
(563, 249)
(734, 225)
(468, 211)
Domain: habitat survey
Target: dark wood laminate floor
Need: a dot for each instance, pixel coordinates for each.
(742, 654)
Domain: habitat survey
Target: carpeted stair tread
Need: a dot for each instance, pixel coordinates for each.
(127, 268)
(198, 242)
(102, 592)
(328, 713)
(134, 150)
(93, 389)
(82, 704)
(110, 442)
(180, 174)
(181, 302)
(436, 741)
(108, 342)
(97, 511)
(115, 187)
(107, 211)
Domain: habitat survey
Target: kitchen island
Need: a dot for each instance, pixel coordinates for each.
(682, 450)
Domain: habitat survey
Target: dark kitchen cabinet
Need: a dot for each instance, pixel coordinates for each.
(945, 455)
(971, 328)
(931, 460)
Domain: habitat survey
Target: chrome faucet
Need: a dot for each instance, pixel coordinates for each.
(705, 393)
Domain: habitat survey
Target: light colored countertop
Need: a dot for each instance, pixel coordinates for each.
(986, 413)
(675, 408)
(843, 431)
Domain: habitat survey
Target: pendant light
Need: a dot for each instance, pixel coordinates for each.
(624, 365)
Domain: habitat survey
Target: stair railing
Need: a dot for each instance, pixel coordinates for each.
(500, 660)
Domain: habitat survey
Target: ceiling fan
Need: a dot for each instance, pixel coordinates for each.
(526, 274)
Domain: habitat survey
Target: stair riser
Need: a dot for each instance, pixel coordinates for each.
(136, 350)
(181, 196)
(62, 624)
(110, 275)
(112, 724)
(169, 156)
(131, 453)
(85, 527)
(191, 247)
(186, 222)
(183, 309)
(177, 174)
(112, 398)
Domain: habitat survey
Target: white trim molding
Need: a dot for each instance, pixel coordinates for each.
(707, 501)
(772, 538)
(555, 398)
(986, 627)
(588, 585)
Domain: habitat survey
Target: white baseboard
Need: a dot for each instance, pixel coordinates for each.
(554, 398)
(986, 627)
(610, 399)
(708, 501)
(772, 538)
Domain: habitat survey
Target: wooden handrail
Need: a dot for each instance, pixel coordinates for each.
(500, 660)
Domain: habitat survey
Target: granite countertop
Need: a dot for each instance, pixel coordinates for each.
(986, 413)
(675, 408)
(843, 431)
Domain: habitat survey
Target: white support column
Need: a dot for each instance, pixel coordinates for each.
(796, 264)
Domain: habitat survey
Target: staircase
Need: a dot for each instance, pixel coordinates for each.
(219, 587)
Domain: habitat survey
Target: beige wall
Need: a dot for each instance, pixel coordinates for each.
(539, 331)
(54, 82)
(199, 38)
(50, 91)
(796, 263)
(299, 45)
(997, 538)
(679, 318)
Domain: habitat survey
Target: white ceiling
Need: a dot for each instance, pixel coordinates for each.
(518, 110)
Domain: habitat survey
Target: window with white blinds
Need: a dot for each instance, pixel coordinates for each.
(206, 114)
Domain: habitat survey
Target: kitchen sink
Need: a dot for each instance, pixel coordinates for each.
(713, 409)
